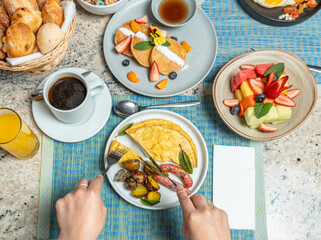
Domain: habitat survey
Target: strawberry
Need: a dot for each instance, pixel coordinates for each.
(231, 102)
(257, 86)
(270, 79)
(143, 19)
(267, 128)
(293, 93)
(284, 100)
(121, 47)
(154, 72)
(247, 66)
(273, 90)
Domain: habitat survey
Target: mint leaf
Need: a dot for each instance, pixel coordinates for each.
(143, 45)
(149, 202)
(166, 44)
(261, 109)
(122, 131)
(278, 69)
(184, 161)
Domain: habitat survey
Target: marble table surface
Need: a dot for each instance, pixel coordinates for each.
(292, 165)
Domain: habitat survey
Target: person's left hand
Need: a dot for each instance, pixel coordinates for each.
(81, 214)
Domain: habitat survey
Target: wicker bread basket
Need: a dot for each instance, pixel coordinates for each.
(48, 61)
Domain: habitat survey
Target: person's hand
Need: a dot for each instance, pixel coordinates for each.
(202, 220)
(81, 214)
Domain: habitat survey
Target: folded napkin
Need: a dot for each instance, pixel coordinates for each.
(234, 184)
(69, 13)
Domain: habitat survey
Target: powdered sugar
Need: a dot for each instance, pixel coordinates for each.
(171, 56)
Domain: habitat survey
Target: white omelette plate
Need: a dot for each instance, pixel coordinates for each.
(75, 132)
(168, 198)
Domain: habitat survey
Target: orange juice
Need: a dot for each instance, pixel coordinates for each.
(15, 136)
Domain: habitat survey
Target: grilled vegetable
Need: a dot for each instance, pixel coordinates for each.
(151, 184)
(154, 196)
(120, 176)
(131, 184)
(138, 176)
(132, 165)
(148, 170)
(139, 192)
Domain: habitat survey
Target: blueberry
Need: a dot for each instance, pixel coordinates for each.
(175, 38)
(125, 63)
(275, 77)
(172, 75)
(260, 98)
(235, 109)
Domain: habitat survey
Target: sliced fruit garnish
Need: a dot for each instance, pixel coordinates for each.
(241, 112)
(274, 90)
(142, 20)
(247, 66)
(267, 128)
(260, 69)
(284, 100)
(312, 3)
(231, 102)
(135, 26)
(289, 10)
(293, 93)
(240, 77)
(186, 46)
(154, 72)
(162, 84)
(270, 78)
(132, 77)
(257, 86)
(121, 47)
(247, 102)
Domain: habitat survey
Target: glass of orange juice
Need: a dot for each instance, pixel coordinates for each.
(15, 135)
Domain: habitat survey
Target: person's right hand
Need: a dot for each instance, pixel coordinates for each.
(202, 220)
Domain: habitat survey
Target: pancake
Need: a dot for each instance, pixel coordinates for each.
(129, 155)
(142, 57)
(124, 31)
(161, 139)
(169, 59)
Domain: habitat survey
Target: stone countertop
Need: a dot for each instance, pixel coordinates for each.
(292, 164)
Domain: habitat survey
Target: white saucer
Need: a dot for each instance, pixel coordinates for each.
(76, 132)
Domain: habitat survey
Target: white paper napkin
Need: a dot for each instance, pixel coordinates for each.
(69, 12)
(234, 184)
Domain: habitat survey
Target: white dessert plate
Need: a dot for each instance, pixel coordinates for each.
(76, 132)
(199, 33)
(168, 197)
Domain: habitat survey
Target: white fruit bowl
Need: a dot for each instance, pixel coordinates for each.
(300, 77)
(103, 10)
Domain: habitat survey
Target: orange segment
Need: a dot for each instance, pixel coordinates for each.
(162, 84)
(132, 77)
(187, 47)
(135, 26)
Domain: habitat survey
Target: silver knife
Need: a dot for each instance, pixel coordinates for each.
(155, 163)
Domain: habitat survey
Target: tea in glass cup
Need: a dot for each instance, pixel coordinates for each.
(15, 135)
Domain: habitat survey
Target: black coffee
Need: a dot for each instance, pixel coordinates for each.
(67, 93)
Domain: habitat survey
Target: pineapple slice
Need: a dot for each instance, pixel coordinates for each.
(278, 122)
(272, 115)
(284, 112)
(250, 118)
(238, 95)
(246, 89)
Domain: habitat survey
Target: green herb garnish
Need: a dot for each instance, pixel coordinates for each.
(261, 109)
(184, 161)
(166, 44)
(122, 131)
(143, 45)
(278, 69)
(149, 202)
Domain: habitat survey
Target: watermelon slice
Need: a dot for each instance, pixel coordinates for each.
(240, 77)
(262, 68)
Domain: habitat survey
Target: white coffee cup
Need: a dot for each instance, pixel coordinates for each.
(81, 112)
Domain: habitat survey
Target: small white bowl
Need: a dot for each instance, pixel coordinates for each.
(103, 10)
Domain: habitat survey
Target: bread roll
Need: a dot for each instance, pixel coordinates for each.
(41, 3)
(13, 5)
(4, 19)
(31, 18)
(2, 54)
(48, 37)
(19, 40)
(53, 13)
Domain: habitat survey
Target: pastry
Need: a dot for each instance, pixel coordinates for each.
(41, 3)
(31, 18)
(129, 155)
(2, 54)
(4, 19)
(12, 5)
(142, 56)
(2, 31)
(19, 40)
(162, 140)
(48, 37)
(52, 13)
(169, 59)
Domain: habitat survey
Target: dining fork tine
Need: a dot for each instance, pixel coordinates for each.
(113, 157)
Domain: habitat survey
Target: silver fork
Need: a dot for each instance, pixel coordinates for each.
(113, 157)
